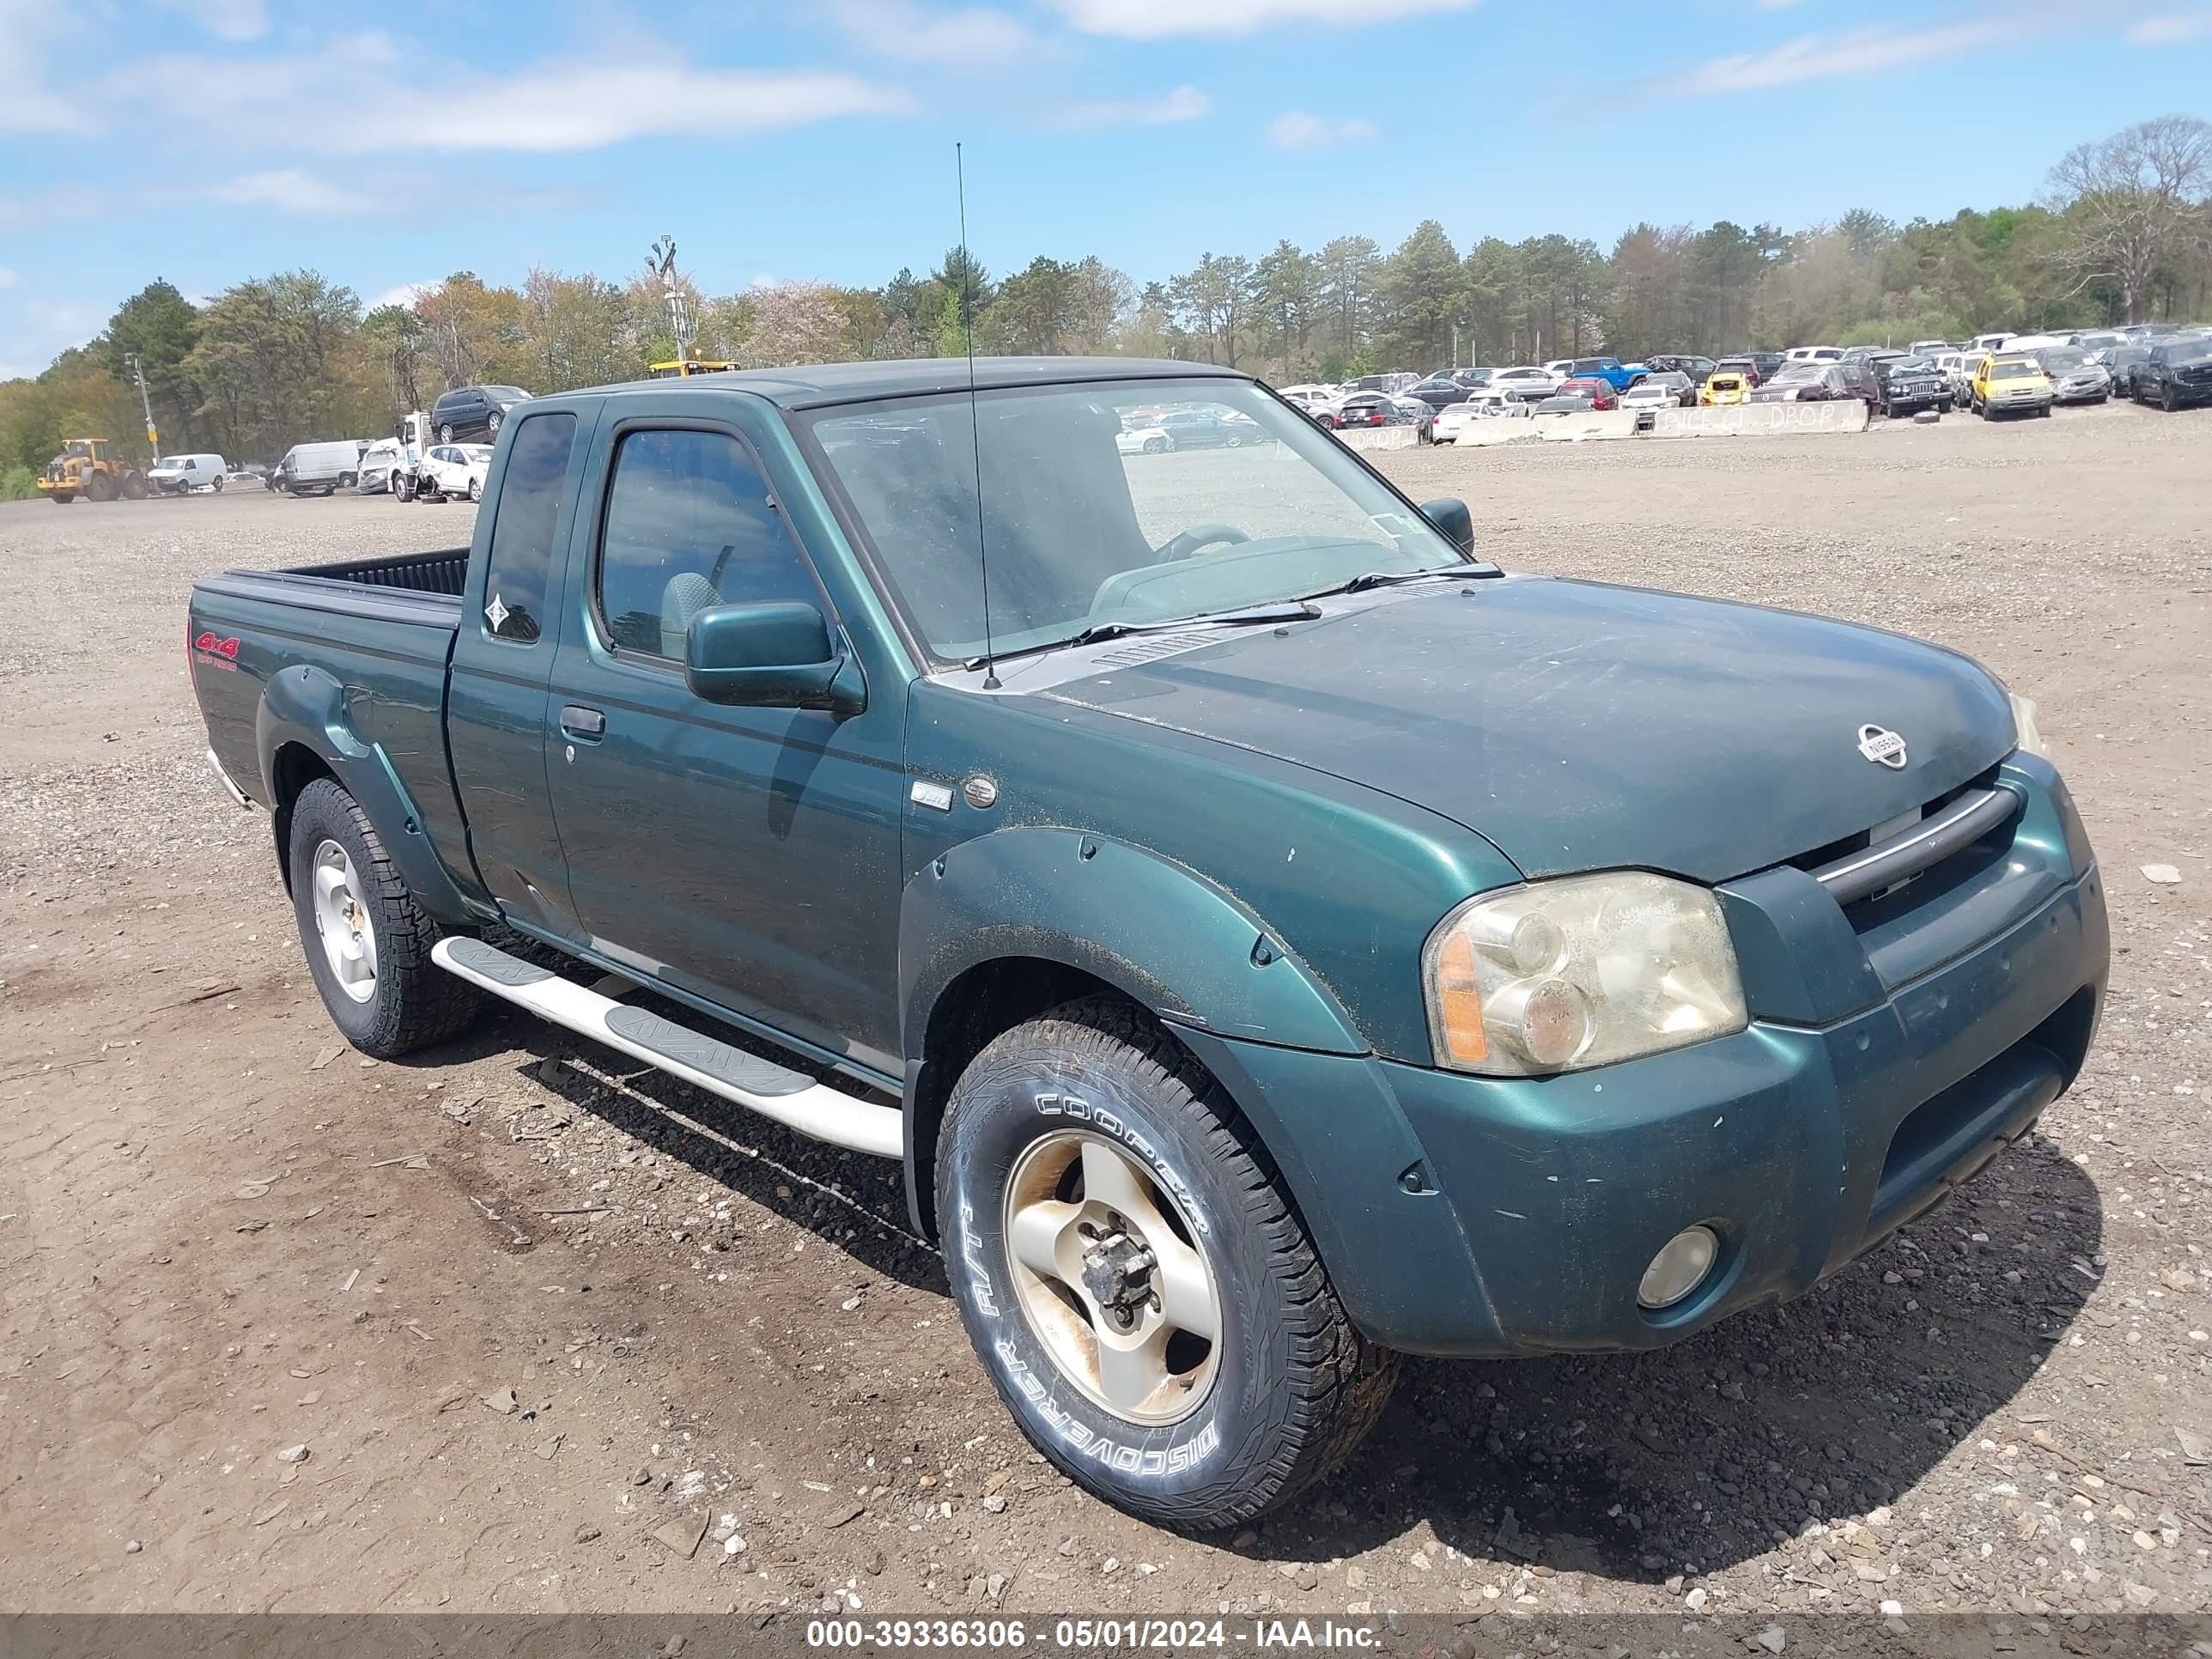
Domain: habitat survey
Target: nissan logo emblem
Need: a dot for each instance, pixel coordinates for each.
(1882, 746)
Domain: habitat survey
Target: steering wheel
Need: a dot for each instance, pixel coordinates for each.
(1188, 543)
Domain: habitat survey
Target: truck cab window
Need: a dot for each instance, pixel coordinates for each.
(522, 535)
(689, 525)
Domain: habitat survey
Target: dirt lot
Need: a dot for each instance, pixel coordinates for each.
(536, 1318)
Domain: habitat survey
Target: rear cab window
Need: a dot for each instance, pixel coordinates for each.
(528, 505)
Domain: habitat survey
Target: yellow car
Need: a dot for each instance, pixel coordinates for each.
(2011, 383)
(1721, 390)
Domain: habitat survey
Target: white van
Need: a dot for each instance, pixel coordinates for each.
(1813, 355)
(1983, 342)
(180, 475)
(318, 469)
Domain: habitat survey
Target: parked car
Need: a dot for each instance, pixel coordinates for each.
(1307, 396)
(1527, 380)
(1602, 393)
(1956, 367)
(2075, 376)
(1143, 440)
(1806, 381)
(1659, 389)
(180, 475)
(2177, 372)
(1439, 391)
(1473, 378)
(1860, 379)
(318, 469)
(246, 472)
(1982, 344)
(468, 413)
(1767, 362)
(1909, 384)
(1360, 409)
(1811, 354)
(381, 462)
(1409, 410)
(2121, 362)
(1208, 1134)
(1480, 406)
(1928, 350)
(1568, 400)
(1725, 387)
(1675, 363)
(1615, 374)
(1746, 366)
(1206, 428)
(447, 469)
(2011, 383)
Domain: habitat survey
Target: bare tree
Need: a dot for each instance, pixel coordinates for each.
(2132, 199)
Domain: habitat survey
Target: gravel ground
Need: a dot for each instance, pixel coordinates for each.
(537, 1318)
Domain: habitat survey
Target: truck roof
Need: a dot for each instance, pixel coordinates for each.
(811, 385)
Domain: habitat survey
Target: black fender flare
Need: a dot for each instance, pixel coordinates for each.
(308, 706)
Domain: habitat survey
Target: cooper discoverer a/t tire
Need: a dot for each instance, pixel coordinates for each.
(367, 942)
(1093, 1180)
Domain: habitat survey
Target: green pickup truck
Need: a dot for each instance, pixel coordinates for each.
(1274, 939)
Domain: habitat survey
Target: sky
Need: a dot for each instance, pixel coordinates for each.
(207, 141)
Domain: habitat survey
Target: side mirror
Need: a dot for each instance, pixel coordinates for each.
(1450, 514)
(771, 655)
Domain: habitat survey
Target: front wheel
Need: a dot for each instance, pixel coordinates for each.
(403, 486)
(1135, 1280)
(476, 490)
(445, 433)
(367, 942)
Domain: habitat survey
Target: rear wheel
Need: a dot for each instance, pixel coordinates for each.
(445, 433)
(476, 489)
(367, 942)
(99, 487)
(1135, 1280)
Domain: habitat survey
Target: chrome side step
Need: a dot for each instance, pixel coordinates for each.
(792, 1098)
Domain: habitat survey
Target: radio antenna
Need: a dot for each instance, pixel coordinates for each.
(975, 420)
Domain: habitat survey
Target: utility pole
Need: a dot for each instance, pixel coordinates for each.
(153, 435)
(660, 262)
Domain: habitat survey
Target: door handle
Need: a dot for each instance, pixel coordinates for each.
(583, 725)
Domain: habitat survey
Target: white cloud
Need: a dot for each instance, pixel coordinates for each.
(227, 20)
(1818, 57)
(7, 278)
(2174, 26)
(26, 103)
(363, 93)
(1778, 5)
(294, 190)
(1296, 129)
(1183, 104)
(405, 293)
(968, 37)
(1156, 19)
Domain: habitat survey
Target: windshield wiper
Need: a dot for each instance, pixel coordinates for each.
(1283, 611)
(1373, 579)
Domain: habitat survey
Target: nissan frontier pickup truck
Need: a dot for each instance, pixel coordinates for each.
(1272, 938)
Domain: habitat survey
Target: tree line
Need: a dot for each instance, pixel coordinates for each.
(2124, 233)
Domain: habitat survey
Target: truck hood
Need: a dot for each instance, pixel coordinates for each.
(1581, 726)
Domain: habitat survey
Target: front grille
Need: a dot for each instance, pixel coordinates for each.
(1928, 854)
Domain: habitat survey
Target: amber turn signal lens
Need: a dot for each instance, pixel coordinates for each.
(1459, 1001)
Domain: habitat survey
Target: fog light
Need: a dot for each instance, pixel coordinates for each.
(1679, 1268)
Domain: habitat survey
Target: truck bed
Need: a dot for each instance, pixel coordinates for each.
(363, 643)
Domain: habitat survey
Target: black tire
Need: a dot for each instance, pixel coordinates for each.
(491, 425)
(2043, 413)
(445, 433)
(1295, 1388)
(99, 487)
(476, 490)
(61, 497)
(2166, 399)
(403, 486)
(218, 486)
(414, 1002)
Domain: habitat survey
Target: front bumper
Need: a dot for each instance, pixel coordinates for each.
(1892, 1052)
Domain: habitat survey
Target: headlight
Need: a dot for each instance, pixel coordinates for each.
(2028, 736)
(1559, 975)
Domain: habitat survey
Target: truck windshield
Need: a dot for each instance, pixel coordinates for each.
(1091, 514)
